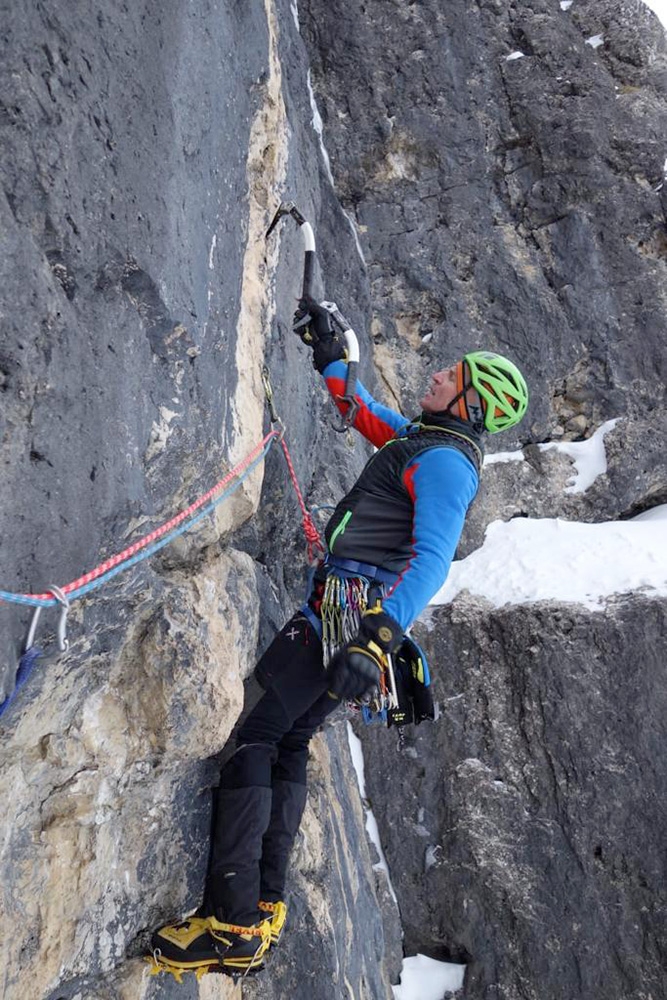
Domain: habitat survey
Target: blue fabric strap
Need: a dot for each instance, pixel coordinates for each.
(354, 568)
(308, 613)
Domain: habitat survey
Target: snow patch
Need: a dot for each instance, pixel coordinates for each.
(659, 8)
(515, 55)
(295, 14)
(565, 4)
(503, 456)
(595, 41)
(214, 243)
(371, 823)
(528, 560)
(589, 457)
(424, 978)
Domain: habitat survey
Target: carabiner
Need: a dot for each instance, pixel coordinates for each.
(268, 392)
(63, 601)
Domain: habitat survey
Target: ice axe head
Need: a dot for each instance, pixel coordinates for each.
(285, 208)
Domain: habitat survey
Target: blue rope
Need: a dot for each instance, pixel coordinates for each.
(30, 657)
(36, 602)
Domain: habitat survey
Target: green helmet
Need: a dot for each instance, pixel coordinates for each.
(502, 388)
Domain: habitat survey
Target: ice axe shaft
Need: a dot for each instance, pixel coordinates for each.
(289, 208)
(352, 344)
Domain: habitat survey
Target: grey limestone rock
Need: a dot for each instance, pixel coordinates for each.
(477, 201)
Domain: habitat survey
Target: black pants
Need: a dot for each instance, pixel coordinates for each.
(263, 786)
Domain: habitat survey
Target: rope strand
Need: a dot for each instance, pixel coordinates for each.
(128, 557)
(316, 549)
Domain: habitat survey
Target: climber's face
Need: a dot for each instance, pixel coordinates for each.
(441, 391)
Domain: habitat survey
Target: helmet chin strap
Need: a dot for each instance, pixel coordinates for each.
(464, 409)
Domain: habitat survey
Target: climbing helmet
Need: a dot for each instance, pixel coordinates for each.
(501, 386)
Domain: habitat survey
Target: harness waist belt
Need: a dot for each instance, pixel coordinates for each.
(351, 567)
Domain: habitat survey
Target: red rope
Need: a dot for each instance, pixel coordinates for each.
(316, 549)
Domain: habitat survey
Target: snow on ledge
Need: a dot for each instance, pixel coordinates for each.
(589, 457)
(528, 560)
(503, 456)
(424, 978)
(659, 8)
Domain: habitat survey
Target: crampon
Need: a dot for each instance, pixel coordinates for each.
(206, 945)
(277, 919)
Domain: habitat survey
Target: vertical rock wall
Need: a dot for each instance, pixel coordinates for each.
(502, 203)
(144, 152)
(532, 846)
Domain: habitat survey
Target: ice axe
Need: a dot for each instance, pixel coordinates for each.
(351, 342)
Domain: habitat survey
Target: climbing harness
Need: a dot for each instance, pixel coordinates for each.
(352, 344)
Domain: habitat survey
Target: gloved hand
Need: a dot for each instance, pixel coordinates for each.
(356, 669)
(313, 323)
(413, 686)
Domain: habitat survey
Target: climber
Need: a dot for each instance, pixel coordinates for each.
(390, 540)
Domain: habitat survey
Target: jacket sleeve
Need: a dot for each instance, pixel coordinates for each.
(376, 422)
(442, 484)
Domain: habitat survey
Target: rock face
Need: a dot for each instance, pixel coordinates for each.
(533, 810)
(477, 200)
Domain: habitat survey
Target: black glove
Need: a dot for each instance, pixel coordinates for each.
(356, 669)
(413, 686)
(313, 323)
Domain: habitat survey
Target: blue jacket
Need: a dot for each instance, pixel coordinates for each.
(406, 511)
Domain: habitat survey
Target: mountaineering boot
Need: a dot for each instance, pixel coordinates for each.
(277, 919)
(204, 944)
(184, 946)
(240, 947)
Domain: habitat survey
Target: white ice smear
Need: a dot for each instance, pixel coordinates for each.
(295, 14)
(595, 41)
(589, 457)
(423, 978)
(356, 237)
(527, 560)
(515, 55)
(319, 129)
(371, 823)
